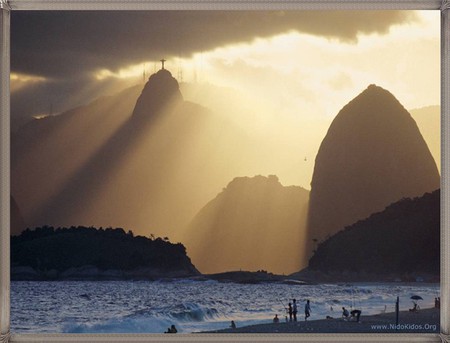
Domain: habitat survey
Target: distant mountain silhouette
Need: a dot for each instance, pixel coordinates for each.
(147, 161)
(17, 222)
(254, 223)
(373, 155)
(403, 238)
(47, 154)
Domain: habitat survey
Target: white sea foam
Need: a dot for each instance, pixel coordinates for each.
(151, 307)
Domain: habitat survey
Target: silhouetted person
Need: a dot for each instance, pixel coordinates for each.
(172, 329)
(307, 310)
(294, 310)
(357, 314)
(415, 308)
(290, 312)
(276, 320)
(345, 313)
(437, 302)
(233, 325)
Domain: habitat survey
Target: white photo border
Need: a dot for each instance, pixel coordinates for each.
(16, 5)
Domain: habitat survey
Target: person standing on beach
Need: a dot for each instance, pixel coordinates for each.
(307, 310)
(437, 302)
(294, 310)
(290, 312)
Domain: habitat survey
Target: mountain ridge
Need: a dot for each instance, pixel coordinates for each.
(390, 242)
(254, 223)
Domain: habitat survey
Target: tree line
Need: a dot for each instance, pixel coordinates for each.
(46, 248)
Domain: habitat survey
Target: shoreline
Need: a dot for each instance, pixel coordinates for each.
(92, 273)
(425, 321)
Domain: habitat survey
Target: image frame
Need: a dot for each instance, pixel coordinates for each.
(6, 7)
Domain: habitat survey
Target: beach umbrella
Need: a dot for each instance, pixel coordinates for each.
(416, 297)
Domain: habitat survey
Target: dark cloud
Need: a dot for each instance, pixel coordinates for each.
(71, 44)
(67, 46)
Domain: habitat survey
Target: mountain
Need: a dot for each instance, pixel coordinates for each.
(47, 153)
(254, 223)
(142, 158)
(114, 172)
(372, 155)
(161, 91)
(403, 238)
(89, 253)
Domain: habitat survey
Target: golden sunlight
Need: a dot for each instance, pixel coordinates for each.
(19, 81)
(253, 114)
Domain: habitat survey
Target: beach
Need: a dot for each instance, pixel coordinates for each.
(205, 306)
(423, 321)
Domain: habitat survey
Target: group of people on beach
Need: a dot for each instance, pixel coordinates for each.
(172, 329)
(346, 315)
(292, 310)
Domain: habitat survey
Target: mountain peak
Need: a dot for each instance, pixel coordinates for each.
(375, 109)
(162, 74)
(160, 92)
(373, 86)
(376, 91)
(377, 96)
(373, 155)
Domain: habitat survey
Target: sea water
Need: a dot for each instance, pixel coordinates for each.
(151, 307)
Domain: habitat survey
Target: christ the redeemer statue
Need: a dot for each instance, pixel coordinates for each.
(162, 61)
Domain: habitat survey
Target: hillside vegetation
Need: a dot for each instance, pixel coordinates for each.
(404, 238)
(47, 248)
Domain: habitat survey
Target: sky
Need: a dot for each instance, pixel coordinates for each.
(271, 82)
(72, 49)
(291, 71)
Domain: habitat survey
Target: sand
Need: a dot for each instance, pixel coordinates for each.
(424, 321)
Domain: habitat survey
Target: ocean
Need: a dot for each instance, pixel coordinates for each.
(192, 306)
